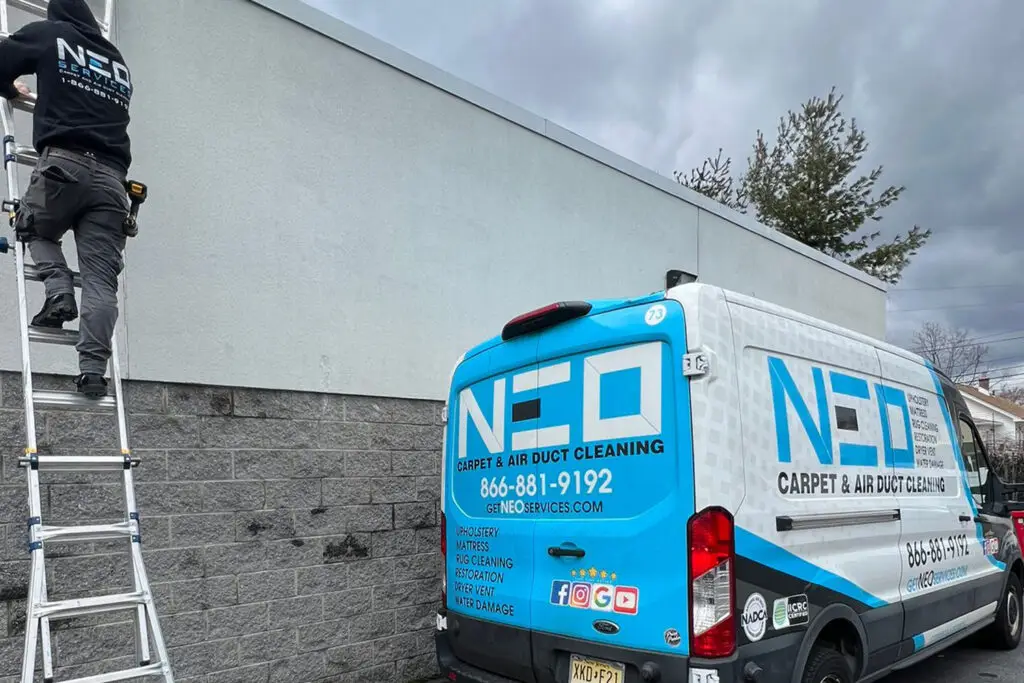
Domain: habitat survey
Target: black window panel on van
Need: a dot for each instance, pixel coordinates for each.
(846, 418)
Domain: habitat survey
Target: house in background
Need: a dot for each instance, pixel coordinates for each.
(999, 420)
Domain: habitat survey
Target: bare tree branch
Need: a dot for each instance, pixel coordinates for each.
(951, 351)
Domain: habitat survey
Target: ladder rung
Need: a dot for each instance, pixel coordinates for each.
(65, 399)
(53, 335)
(32, 273)
(66, 609)
(77, 463)
(37, 7)
(91, 532)
(126, 675)
(26, 155)
(27, 104)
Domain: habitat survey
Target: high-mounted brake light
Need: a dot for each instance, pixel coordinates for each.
(712, 583)
(545, 317)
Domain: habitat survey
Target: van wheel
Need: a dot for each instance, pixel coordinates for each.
(826, 665)
(1005, 633)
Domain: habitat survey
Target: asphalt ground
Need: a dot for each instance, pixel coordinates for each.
(965, 662)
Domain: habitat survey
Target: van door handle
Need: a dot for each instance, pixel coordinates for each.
(558, 551)
(966, 518)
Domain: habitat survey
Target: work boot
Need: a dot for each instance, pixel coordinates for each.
(91, 384)
(57, 310)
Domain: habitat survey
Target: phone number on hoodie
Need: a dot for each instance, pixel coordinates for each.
(586, 482)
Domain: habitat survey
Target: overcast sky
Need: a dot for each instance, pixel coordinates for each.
(937, 86)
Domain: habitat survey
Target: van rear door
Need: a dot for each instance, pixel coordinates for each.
(609, 490)
(489, 558)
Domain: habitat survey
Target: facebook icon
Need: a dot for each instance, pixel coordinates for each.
(559, 592)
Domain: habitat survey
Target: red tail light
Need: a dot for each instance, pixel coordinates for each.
(545, 317)
(444, 562)
(712, 584)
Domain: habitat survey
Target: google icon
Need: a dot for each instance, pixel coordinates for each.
(602, 597)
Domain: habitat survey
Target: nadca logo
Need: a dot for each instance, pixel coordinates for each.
(587, 385)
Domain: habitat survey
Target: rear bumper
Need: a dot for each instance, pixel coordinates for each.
(550, 656)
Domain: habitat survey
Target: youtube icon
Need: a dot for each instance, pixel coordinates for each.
(627, 600)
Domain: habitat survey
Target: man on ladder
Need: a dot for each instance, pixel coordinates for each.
(80, 132)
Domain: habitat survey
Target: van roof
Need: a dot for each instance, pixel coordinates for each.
(692, 288)
(796, 316)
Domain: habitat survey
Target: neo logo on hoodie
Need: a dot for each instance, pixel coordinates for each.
(91, 61)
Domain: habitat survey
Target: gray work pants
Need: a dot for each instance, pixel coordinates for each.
(75, 191)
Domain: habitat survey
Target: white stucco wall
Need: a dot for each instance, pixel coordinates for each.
(321, 220)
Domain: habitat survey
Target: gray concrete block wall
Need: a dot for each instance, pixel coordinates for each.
(289, 537)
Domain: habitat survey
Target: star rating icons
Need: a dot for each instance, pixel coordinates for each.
(593, 573)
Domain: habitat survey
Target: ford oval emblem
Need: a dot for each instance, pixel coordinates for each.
(606, 627)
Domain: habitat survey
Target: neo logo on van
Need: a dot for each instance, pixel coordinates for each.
(589, 392)
(876, 400)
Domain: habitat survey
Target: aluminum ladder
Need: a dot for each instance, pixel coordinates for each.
(40, 610)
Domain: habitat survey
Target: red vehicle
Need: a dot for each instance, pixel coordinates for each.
(1018, 525)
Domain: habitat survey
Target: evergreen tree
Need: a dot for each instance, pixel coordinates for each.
(804, 186)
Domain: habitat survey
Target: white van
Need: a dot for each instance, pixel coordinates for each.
(701, 486)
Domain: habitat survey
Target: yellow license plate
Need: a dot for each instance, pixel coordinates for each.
(586, 670)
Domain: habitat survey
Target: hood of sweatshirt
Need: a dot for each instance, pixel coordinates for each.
(75, 12)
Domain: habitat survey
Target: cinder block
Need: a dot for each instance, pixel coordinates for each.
(288, 536)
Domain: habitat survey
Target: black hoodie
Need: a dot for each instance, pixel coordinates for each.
(83, 85)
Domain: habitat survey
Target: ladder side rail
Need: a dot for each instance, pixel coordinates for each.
(44, 625)
(14, 193)
(142, 652)
(37, 587)
(139, 582)
(154, 620)
(32, 629)
(108, 19)
(115, 376)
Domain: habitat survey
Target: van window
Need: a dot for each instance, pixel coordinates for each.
(974, 460)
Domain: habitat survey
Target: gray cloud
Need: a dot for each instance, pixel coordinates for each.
(937, 88)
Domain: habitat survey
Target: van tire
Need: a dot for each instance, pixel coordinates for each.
(826, 665)
(1005, 633)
